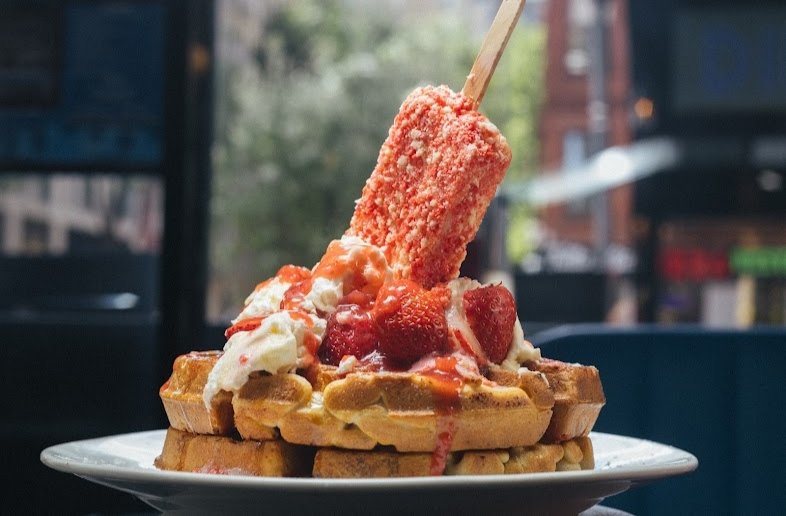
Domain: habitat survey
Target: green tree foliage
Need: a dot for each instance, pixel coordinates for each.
(515, 96)
(514, 101)
(301, 128)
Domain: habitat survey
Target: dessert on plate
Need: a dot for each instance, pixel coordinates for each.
(380, 361)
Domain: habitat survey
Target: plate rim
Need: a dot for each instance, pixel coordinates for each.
(55, 458)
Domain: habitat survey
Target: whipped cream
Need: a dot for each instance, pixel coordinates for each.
(340, 264)
(520, 350)
(324, 295)
(264, 301)
(456, 316)
(276, 346)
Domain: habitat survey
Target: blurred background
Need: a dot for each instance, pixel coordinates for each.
(159, 158)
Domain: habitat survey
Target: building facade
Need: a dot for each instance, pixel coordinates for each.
(565, 119)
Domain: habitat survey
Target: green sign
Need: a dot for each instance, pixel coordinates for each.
(761, 261)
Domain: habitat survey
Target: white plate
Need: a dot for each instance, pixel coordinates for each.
(125, 462)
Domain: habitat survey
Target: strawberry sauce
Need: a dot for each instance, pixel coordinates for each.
(360, 268)
(252, 323)
(295, 295)
(446, 383)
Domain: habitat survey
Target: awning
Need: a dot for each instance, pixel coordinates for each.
(610, 168)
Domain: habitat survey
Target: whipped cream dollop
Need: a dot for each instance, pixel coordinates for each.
(324, 295)
(264, 300)
(277, 346)
(456, 316)
(520, 351)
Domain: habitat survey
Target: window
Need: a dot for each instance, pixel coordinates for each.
(574, 154)
(59, 253)
(123, 213)
(581, 15)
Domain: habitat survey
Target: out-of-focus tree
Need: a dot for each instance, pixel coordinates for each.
(515, 97)
(302, 127)
(514, 101)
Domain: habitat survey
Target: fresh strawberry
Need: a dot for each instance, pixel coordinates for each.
(411, 321)
(350, 331)
(491, 313)
(252, 323)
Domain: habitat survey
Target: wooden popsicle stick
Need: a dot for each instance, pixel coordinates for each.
(491, 49)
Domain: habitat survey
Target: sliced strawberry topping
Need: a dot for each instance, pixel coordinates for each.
(249, 324)
(491, 313)
(350, 331)
(411, 321)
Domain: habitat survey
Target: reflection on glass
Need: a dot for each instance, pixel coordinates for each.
(63, 214)
(77, 243)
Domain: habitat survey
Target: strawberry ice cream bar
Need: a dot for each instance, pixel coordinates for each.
(435, 176)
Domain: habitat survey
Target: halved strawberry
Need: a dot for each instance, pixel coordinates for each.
(349, 331)
(491, 313)
(411, 321)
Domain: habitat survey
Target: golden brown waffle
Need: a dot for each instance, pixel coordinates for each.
(181, 396)
(574, 454)
(288, 404)
(185, 451)
(578, 398)
(400, 410)
(363, 410)
(366, 409)
(577, 391)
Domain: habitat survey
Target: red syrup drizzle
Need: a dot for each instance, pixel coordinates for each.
(446, 385)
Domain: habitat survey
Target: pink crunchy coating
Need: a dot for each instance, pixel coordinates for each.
(435, 176)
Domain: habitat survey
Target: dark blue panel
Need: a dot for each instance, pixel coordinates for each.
(108, 109)
(692, 407)
(761, 426)
(716, 394)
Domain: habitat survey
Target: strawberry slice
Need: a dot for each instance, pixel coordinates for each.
(411, 321)
(491, 313)
(349, 331)
(252, 323)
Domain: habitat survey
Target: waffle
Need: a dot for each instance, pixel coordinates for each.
(400, 410)
(185, 451)
(575, 454)
(381, 424)
(578, 396)
(181, 396)
(363, 410)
